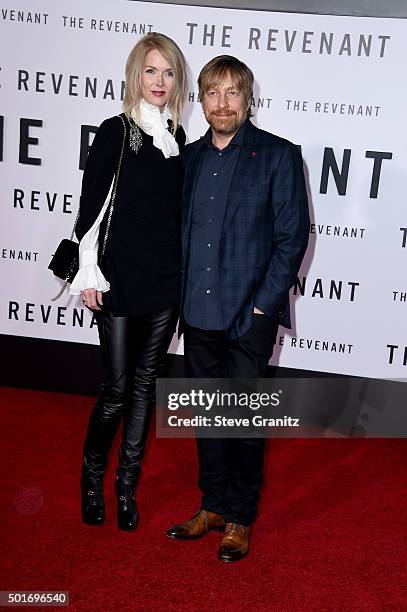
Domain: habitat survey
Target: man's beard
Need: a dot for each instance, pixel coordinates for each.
(225, 125)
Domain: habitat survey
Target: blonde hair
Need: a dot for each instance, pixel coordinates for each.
(222, 66)
(134, 67)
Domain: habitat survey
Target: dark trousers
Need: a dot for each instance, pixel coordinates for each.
(230, 470)
(133, 350)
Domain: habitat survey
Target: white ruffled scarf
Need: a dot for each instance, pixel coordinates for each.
(155, 124)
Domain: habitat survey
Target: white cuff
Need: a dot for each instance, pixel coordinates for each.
(89, 276)
(88, 257)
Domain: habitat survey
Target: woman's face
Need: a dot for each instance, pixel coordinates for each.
(157, 79)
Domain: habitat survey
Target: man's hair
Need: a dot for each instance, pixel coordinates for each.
(222, 66)
(134, 68)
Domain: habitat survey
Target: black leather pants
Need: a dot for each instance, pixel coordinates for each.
(133, 350)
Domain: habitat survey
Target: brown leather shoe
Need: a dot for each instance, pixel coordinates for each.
(199, 525)
(235, 543)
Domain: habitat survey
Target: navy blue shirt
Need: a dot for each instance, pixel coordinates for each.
(202, 306)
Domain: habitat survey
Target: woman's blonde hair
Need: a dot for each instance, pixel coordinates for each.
(134, 68)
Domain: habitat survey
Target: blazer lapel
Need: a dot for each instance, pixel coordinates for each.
(191, 175)
(246, 168)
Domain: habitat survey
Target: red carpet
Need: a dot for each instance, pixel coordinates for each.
(331, 533)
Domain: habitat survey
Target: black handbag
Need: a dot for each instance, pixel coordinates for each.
(65, 261)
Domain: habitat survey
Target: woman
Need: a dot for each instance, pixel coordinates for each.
(136, 293)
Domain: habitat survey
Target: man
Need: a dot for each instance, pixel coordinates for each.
(245, 231)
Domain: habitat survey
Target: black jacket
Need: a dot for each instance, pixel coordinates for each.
(143, 255)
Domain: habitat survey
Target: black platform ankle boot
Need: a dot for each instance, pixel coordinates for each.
(93, 506)
(127, 514)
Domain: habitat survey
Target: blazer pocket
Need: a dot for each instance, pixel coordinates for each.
(258, 191)
(251, 191)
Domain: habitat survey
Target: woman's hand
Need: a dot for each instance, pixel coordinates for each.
(92, 299)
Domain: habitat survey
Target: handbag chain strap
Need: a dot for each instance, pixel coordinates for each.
(113, 196)
(116, 180)
(74, 226)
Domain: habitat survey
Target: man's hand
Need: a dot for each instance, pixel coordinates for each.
(92, 299)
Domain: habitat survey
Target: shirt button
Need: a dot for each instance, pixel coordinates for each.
(209, 245)
(210, 220)
(212, 197)
(208, 291)
(208, 269)
(215, 174)
(220, 153)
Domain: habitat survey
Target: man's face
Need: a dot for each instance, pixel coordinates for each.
(224, 107)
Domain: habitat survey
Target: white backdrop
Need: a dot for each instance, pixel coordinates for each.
(333, 85)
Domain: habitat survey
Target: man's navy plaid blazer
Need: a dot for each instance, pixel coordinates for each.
(265, 230)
